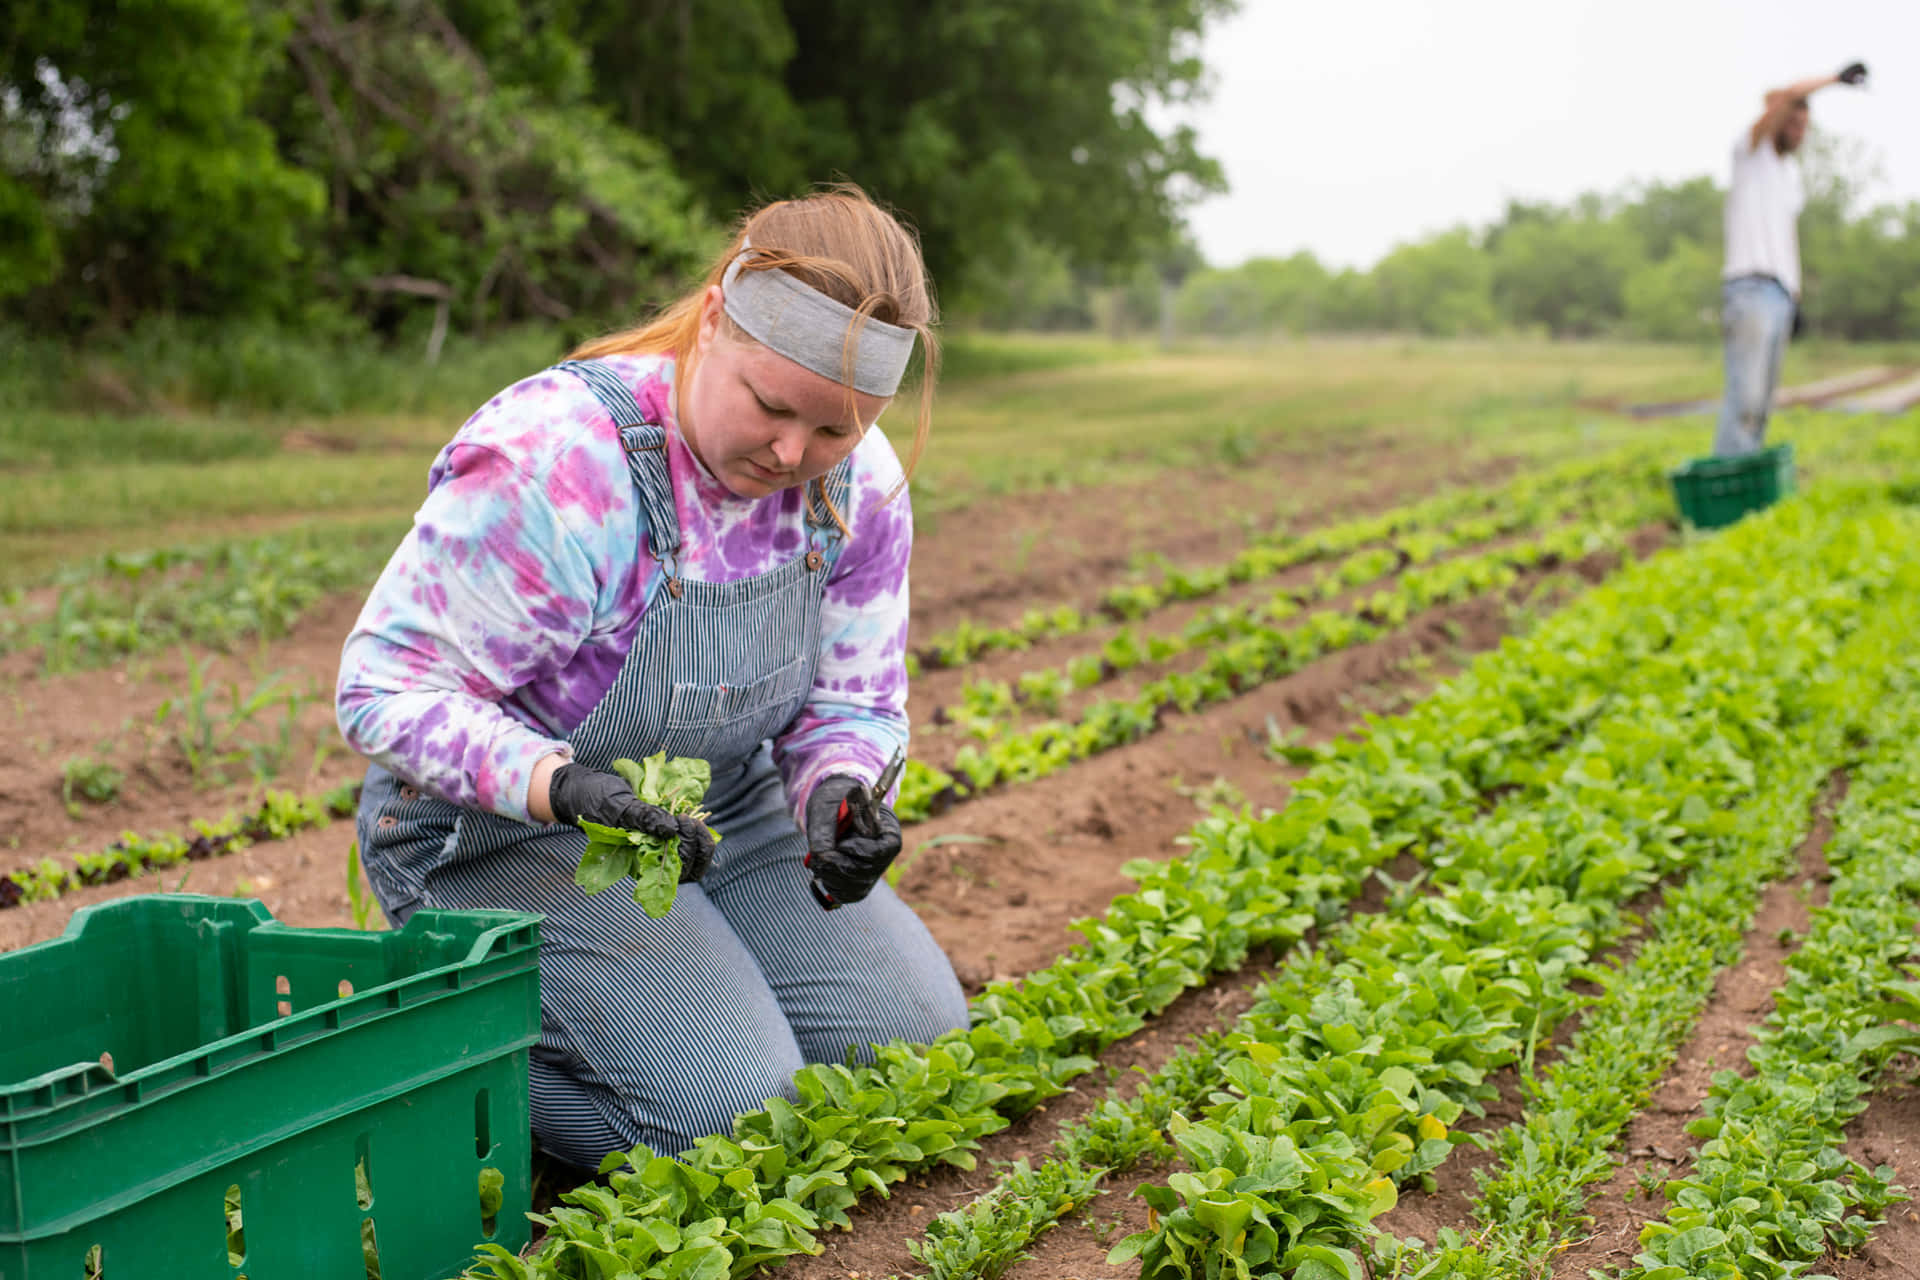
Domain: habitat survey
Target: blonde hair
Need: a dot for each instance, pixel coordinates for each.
(837, 241)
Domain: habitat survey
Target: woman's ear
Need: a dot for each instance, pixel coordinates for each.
(712, 312)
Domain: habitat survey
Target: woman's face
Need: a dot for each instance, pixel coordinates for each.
(759, 421)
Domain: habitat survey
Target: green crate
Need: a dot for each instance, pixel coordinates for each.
(172, 1054)
(1717, 491)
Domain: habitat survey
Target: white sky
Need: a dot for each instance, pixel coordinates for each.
(1348, 126)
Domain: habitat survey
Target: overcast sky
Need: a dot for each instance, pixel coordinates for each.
(1346, 128)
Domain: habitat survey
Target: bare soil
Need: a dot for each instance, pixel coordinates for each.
(1888, 1133)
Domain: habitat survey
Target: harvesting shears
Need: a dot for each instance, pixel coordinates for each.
(859, 814)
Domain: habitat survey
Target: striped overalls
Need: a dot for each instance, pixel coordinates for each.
(660, 1031)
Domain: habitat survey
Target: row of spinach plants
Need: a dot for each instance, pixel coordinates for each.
(1772, 1189)
(1482, 507)
(278, 815)
(1260, 655)
(987, 706)
(1575, 1114)
(1344, 1079)
(793, 1169)
(214, 596)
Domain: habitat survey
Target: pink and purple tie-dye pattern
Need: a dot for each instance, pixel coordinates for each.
(506, 612)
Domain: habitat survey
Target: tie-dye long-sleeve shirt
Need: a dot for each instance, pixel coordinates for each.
(506, 612)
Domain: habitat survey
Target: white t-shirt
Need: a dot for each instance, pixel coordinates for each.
(1763, 205)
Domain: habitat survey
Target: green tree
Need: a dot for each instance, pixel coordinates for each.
(1440, 286)
(466, 164)
(989, 123)
(1563, 275)
(1676, 298)
(1663, 216)
(133, 174)
(1263, 295)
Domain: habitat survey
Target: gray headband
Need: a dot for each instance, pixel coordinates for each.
(813, 330)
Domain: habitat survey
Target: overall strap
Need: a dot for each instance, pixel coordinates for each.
(646, 448)
(824, 539)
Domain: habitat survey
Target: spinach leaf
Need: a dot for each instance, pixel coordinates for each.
(615, 853)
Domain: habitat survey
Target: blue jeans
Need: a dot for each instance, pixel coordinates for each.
(1756, 317)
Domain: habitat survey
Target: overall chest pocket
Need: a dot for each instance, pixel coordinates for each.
(727, 721)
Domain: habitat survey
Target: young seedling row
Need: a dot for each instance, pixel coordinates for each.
(1485, 509)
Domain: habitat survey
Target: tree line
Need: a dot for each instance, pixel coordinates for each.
(1643, 262)
(349, 162)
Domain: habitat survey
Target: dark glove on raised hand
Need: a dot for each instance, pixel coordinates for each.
(577, 792)
(847, 864)
(1854, 73)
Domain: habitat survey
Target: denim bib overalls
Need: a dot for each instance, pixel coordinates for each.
(660, 1031)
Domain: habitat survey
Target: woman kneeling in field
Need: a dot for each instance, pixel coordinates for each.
(690, 538)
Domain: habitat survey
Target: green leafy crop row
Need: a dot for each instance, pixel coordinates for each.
(987, 706)
(795, 1168)
(1772, 1190)
(1347, 1074)
(1260, 655)
(214, 596)
(1280, 550)
(278, 815)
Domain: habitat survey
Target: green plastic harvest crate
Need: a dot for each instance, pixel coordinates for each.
(178, 1067)
(1717, 491)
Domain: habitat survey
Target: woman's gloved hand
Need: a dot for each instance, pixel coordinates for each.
(848, 860)
(1853, 73)
(577, 792)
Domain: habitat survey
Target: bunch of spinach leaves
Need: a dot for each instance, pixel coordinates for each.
(614, 853)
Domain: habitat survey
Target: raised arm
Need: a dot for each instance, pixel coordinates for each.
(1780, 103)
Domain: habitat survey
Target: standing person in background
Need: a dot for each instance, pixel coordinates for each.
(1760, 290)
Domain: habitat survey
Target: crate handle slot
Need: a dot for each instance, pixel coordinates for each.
(370, 1248)
(492, 1195)
(236, 1227)
(363, 1171)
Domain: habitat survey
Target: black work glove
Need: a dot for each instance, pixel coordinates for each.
(577, 792)
(1854, 73)
(847, 863)
(1799, 321)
